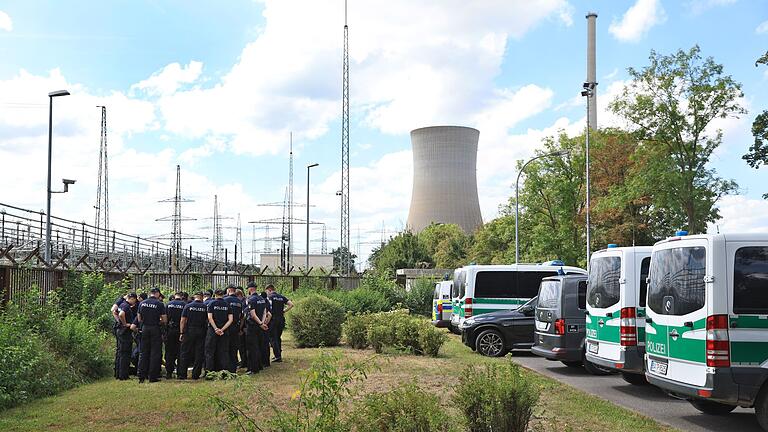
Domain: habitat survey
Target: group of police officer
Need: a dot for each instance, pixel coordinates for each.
(216, 330)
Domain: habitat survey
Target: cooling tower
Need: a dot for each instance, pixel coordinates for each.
(444, 178)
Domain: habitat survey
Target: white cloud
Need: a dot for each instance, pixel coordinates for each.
(741, 214)
(170, 78)
(700, 6)
(638, 20)
(5, 22)
(762, 28)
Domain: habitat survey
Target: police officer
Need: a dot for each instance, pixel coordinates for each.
(125, 338)
(236, 306)
(264, 348)
(174, 309)
(136, 331)
(217, 340)
(279, 306)
(194, 320)
(116, 326)
(256, 328)
(243, 347)
(151, 315)
(207, 297)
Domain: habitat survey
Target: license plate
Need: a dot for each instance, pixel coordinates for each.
(659, 367)
(592, 347)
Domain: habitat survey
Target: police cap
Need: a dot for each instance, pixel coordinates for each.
(131, 295)
(251, 284)
(154, 290)
(219, 291)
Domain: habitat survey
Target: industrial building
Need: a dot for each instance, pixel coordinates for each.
(316, 261)
(444, 178)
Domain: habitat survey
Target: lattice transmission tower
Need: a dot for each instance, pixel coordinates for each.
(345, 246)
(102, 189)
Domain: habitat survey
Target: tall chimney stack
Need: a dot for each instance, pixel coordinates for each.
(591, 68)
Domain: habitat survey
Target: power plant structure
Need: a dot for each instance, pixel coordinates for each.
(445, 178)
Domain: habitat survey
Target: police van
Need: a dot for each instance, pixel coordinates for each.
(441, 304)
(480, 289)
(707, 322)
(615, 322)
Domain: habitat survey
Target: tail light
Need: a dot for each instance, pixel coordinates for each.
(560, 326)
(718, 344)
(439, 308)
(628, 329)
(468, 307)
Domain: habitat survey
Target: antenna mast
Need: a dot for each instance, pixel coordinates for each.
(102, 188)
(290, 204)
(217, 243)
(345, 246)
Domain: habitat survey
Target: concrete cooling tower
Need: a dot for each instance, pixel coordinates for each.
(444, 178)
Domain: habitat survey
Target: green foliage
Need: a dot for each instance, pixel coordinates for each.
(496, 398)
(495, 241)
(671, 103)
(758, 151)
(379, 336)
(394, 293)
(431, 339)
(419, 299)
(340, 253)
(316, 321)
(406, 408)
(356, 331)
(86, 295)
(405, 250)
(82, 344)
(222, 375)
(361, 300)
(447, 244)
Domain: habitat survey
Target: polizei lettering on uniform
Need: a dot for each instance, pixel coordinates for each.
(197, 309)
(149, 305)
(224, 308)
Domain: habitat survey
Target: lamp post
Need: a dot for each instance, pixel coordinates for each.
(308, 167)
(517, 195)
(51, 95)
(589, 90)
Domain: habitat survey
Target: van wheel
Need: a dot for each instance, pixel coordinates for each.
(573, 364)
(761, 408)
(634, 379)
(490, 343)
(711, 408)
(595, 369)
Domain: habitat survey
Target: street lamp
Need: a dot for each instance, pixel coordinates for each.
(517, 194)
(589, 90)
(51, 95)
(308, 167)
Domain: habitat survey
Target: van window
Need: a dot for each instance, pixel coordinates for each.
(603, 287)
(549, 294)
(528, 282)
(459, 280)
(677, 280)
(582, 294)
(750, 280)
(645, 265)
(436, 294)
(496, 284)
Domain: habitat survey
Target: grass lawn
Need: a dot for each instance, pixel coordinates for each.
(185, 406)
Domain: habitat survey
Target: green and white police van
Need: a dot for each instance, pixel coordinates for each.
(441, 304)
(615, 322)
(480, 289)
(707, 321)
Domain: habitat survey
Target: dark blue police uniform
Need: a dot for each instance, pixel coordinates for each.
(150, 311)
(174, 309)
(277, 324)
(233, 332)
(256, 337)
(217, 347)
(125, 341)
(192, 347)
(115, 327)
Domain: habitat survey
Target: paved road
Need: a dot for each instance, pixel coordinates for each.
(647, 400)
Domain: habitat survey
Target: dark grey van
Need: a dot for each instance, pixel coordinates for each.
(560, 321)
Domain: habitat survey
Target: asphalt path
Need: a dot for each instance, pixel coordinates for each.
(647, 399)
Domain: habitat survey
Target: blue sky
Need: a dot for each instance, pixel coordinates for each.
(218, 86)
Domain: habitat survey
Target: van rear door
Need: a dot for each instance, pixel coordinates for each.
(676, 309)
(604, 318)
(548, 312)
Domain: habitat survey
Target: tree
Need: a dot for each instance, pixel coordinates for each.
(339, 253)
(758, 152)
(494, 242)
(670, 105)
(447, 244)
(405, 250)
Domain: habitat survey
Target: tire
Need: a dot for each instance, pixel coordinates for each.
(595, 369)
(490, 343)
(453, 329)
(572, 364)
(711, 408)
(634, 379)
(761, 408)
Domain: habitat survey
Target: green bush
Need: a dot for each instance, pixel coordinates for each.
(406, 330)
(379, 336)
(393, 293)
(496, 398)
(83, 345)
(362, 300)
(356, 331)
(29, 369)
(419, 299)
(316, 321)
(431, 339)
(406, 408)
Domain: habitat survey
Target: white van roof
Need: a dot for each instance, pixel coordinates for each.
(626, 248)
(522, 267)
(731, 237)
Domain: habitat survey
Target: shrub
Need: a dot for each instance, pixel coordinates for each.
(362, 300)
(431, 339)
(82, 344)
(356, 331)
(495, 398)
(419, 299)
(379, 336)
(316, 321)
(406, 330)
(404, 408)
(392, 292)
